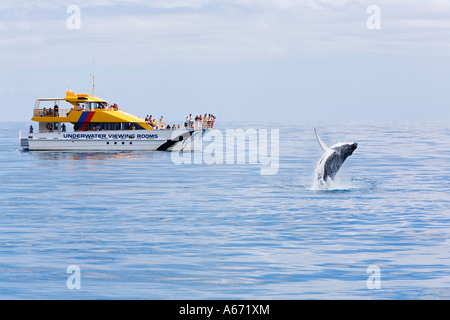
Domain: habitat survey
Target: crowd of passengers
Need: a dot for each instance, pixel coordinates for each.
(199, 122)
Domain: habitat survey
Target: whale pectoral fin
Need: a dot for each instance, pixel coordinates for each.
(322, 144)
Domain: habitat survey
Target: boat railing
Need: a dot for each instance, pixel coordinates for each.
(51, 112)
(200, 125)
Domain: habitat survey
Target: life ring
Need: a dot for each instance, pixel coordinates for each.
(49, 127)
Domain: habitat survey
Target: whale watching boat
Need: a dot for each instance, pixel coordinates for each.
(97, 126)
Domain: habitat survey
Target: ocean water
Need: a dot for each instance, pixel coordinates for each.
(139, 226)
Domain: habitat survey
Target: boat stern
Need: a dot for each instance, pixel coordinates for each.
(23, 142)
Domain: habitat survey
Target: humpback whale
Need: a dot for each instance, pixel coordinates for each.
(332, 159)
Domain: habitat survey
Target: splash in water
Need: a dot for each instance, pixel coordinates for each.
(343, 183)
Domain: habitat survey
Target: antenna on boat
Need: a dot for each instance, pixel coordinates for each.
(93, 84)
(93, 78)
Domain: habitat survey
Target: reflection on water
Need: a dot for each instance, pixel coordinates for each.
(64, 155)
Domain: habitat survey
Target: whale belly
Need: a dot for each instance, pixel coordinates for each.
(328, 165)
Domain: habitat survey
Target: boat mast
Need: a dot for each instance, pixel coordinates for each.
(93, 84)
(93, 78)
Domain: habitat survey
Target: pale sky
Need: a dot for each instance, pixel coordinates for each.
(290, 60)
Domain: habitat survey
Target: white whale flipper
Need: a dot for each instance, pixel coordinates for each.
(322, 144)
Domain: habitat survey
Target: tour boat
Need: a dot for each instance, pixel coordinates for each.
(90, 124)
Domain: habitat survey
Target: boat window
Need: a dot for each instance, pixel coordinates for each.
(51, 108)
(109, 126)
(138, 127)
(98, 105)
(112, 126)
(82, 106)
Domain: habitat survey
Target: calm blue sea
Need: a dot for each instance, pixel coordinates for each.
(139, 226)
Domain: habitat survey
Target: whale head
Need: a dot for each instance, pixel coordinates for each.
(345, 149)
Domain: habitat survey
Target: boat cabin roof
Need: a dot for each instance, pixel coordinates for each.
(73, 99)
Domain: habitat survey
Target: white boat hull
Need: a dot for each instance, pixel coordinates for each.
(132, 140)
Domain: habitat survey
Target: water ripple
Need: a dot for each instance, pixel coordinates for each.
(140, 226)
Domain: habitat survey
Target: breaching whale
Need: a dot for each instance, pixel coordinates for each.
(332, 160)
